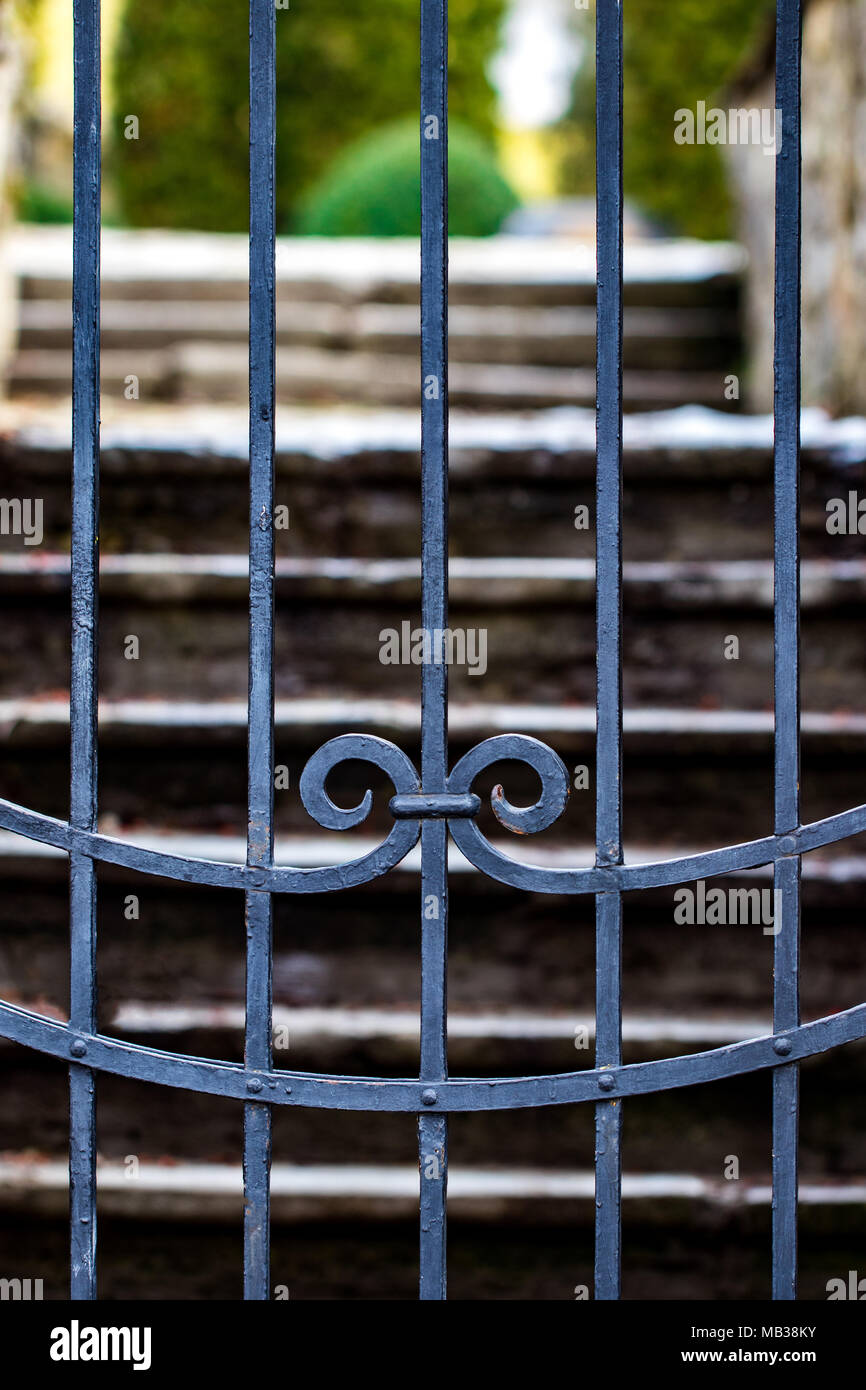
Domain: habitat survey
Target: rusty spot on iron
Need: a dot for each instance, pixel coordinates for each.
(497, 797)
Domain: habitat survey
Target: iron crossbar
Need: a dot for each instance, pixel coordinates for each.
(437, 803)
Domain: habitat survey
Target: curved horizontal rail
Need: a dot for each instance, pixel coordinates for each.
(212, 872)
(535, 878)
(33, 825)
(456, 1094)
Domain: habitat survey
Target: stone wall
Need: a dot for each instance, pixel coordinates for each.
(834, 214)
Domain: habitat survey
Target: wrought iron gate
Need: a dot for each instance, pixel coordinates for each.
(438, 801)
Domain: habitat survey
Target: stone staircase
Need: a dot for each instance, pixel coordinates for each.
(698, 773)
(521, 323)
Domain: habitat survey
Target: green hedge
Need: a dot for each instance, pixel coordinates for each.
(677, 52)
(34, 202)
(342, 70)
(374, 187)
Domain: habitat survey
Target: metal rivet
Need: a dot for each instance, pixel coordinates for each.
(787, 844)
(782, 1046)
(429, 1097)
(288, 1090)
(606, 1081)
(254, 1084)
(78, 1048)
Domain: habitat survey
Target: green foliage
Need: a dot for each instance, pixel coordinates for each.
(342, 70)
(374, 187)
(36, 203)
(677, 52)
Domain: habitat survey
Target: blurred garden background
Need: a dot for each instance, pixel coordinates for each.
(697, 584)
(521, 95)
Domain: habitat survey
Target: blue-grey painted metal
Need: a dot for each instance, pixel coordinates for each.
(412, 1095)
(260, 801)
(436, 803)
(535, 878)
(786, 984)
(608, 532)
(433, 1130)
(83, 668)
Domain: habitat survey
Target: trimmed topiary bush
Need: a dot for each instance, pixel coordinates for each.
(342, 70)
(374, 187)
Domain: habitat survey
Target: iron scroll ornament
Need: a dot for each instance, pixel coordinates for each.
(409, 805)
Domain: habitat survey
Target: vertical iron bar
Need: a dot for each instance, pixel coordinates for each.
(433, 1128)
(260, 830)
(609, 192)
(84, 560)
(786, 1002)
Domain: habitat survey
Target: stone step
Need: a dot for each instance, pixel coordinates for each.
(692, 1128)
(375, 1041)
(697, 482)
(349, 1230)
(678, 338)
(43, 722)
(214, 371)
(828, 865)
(695, 1130)
(176, 943)
(346, 1192)
(150, 265)
(500, 582)
(522, 327)
(524, 630)
(384, 1041)
(726, 1259)
(688, 773)
(305, 1031)
(723, 1256)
